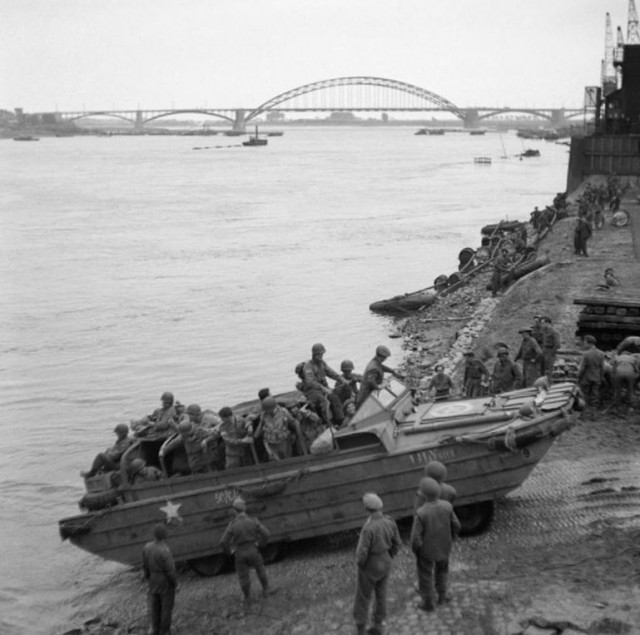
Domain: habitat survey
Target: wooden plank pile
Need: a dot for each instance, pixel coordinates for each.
(609, 318)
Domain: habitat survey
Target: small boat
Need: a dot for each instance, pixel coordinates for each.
(255, 140)
(435, 131)
(422, 131)
(477, 132)
(529, 152)
(489, 445)
(482, 160)
(275, 134)
(406, 302)
(26, 138)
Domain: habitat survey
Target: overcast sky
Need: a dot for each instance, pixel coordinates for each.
(93, 54)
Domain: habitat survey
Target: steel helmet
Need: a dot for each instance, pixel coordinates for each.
(436, 470)
(318, 348)
(347, 364)
(429, 488)
(185, 427)
(136, 465)
(527, 409)
(383, 351)
(194, 409)
(167, 396)
(121, 427)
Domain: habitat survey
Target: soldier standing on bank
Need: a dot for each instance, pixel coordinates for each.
(550, 346)
(474, 373)
(379, 542)
(506, 374)
(160, 572)
(242, 537)
(591, 373)
(530, 354)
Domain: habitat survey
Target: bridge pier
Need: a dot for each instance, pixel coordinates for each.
(138, 126)
(471, 118)
(557, 117)
(239, 123)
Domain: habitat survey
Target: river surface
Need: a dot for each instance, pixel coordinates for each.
(134, 265)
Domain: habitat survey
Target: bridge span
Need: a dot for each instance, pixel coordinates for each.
(341, 94)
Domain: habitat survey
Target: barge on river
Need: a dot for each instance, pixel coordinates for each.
(489, 445)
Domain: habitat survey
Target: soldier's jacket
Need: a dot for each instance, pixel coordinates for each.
(244, 531)
(529, 351)
(474, 369)
(197, 456)
(506, 375)
(434, 526)
(592, 366)
(447, 493)
(550, 339)
(158, 567)
(379, 537)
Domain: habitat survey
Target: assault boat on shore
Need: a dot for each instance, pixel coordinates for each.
(489, 445)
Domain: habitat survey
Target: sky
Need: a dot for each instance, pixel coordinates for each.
(127, 54)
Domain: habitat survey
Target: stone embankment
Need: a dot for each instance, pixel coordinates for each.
(563, 552)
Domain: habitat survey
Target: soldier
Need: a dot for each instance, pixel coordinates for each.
(160, 572)
(550, 346)
(530, 354)
(278, 429)
(438, 472)
(441, 384)
(109, 460)
(501, 269)
(581, 234)
(316, 388)
(625, 375)
(506, 374)
(195, 441)
(236, 438)
(140, 472)
(591, 372)
(379, 542)
(474, 374)
(348, 388)
(161, 420)
(435, 525)
(194, 412)
(242, 537)
(373, 377)
(610, 278)
(629, 344)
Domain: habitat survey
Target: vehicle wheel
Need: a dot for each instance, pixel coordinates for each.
(474, 518)
(272, 552)
(94, 501)
(209, 566)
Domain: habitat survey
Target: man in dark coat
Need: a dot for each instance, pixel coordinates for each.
(316, 387)
(506, 374)
(501, 271)
(474, 373)
(591, 373)
(434, 527)
(373, 376)
(160, 572)
(530, 353)
(379, 542)
(550, 346)
(581, 234)
(242, 537)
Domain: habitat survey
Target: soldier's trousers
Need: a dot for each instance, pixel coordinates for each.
(530, 372)
(432, 579)
(248, 558)
(591, 391)
(160, 610)
(372, 581)
(549, 357)
(473, 388)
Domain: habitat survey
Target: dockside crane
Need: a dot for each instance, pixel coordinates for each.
(608, 75)
(633, 34)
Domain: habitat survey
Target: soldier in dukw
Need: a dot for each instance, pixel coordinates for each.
(379, 542)
(242, 537)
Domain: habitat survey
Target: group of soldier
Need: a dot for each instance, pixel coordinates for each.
(435, 526)
(226, 440)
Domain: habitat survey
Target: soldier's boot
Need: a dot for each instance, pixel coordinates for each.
(360, 629)
(376, 629)
(246, 593)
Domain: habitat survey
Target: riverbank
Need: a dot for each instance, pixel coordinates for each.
(562, 549)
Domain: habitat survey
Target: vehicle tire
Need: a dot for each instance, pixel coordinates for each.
(93, 501)
(208, 566)
(273, 552)
(474, 518)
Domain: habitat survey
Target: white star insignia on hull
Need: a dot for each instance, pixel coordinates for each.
(172, 511)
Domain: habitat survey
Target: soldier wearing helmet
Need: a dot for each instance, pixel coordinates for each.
(140, 472)
(162, 420)
(441, 384)
(530, 353)
(591, 372)
(109, 460)
(316, 388)
(506, 375)
(195, 441)
(475, 372)
(373, 376)
(434, 527)
(438, 472)
(348, 389)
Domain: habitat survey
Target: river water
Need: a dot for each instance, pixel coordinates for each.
(134, 265)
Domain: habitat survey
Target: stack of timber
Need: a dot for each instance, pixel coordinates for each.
(609, 317)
